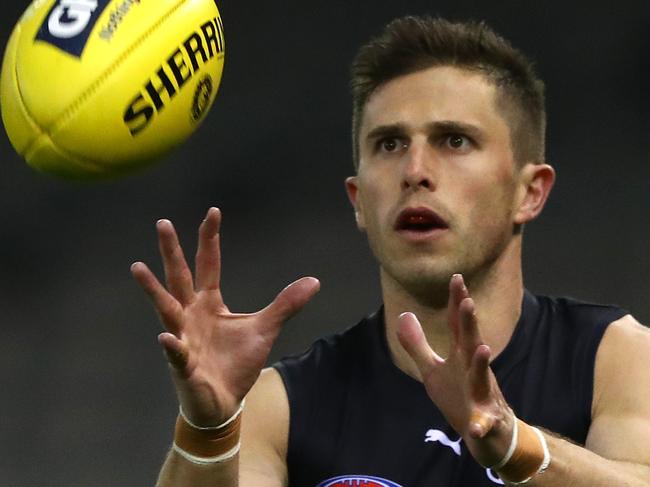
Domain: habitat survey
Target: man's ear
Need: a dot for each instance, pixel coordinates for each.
(535, 183)
(352, 188)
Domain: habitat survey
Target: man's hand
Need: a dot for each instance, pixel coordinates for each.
(463, 386)
(215, 356)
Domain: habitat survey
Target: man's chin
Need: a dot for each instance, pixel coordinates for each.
(430, 287)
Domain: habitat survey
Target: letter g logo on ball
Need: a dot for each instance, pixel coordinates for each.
(78, 13)
(69, 24)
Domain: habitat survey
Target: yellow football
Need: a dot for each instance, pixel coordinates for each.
(94, 89)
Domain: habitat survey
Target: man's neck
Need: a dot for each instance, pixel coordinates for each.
(497, 296)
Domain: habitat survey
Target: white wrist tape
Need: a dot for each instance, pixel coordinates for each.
(222, 425)
(545, 463)
(513, 445)
(206, 461)
(208, 430)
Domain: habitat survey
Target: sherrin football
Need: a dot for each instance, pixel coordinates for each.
(94, 89)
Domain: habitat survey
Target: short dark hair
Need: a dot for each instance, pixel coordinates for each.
(410, 44)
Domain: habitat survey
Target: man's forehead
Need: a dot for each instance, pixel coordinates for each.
(441, 93)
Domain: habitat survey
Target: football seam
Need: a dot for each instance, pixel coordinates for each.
(76, 105)
(28, 113)
(78, 159)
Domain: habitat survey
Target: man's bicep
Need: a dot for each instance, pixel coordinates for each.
(621, 410)
(265, 431)
(623, 439)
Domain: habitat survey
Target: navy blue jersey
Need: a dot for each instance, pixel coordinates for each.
(357, 420)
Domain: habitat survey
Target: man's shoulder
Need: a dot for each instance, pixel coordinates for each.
(576, 313)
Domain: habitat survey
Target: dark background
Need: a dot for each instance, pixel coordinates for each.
(84, 395)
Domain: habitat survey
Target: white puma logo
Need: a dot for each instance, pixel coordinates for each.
(441, 437)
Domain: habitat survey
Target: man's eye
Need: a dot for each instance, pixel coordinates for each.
(391, 144)
(458, 142)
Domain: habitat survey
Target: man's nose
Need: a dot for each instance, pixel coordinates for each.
(420, 167)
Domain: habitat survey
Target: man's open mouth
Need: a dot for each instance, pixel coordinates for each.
(419, 219)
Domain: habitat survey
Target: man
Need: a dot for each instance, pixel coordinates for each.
(448, 382)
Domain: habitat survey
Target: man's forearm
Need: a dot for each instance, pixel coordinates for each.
(574, 466)
(179, 472)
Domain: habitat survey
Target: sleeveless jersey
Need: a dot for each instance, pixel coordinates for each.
(357, 420)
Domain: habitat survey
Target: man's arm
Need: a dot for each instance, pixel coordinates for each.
(265, 433)
(262, 460)
(215, 359)
(617, 451)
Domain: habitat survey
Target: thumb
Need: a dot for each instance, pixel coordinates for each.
(291, 300)
(176, 352)
(412, 338)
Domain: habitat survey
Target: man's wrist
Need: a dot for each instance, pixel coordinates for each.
(527, 456)
(207, 428)
(514, 440)
(206, 445)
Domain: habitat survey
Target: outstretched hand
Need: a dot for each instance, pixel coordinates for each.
(215, 356)
(463, 386)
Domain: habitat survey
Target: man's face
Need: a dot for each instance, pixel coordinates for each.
(436, 188)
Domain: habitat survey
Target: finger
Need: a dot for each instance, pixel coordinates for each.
(457, 292)
(480, 381)
(175, 351)
(208, 254)
(480, 424)
(165, 304)
(479, 374)
(289, 301)
(412, 338)
(177, 275)
(469, 336)
(457, 289)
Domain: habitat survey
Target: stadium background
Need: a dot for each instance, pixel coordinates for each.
(84, 395)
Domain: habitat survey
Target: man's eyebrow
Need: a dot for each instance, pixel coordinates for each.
(438, 127)
(453, 126)
(380, 131)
